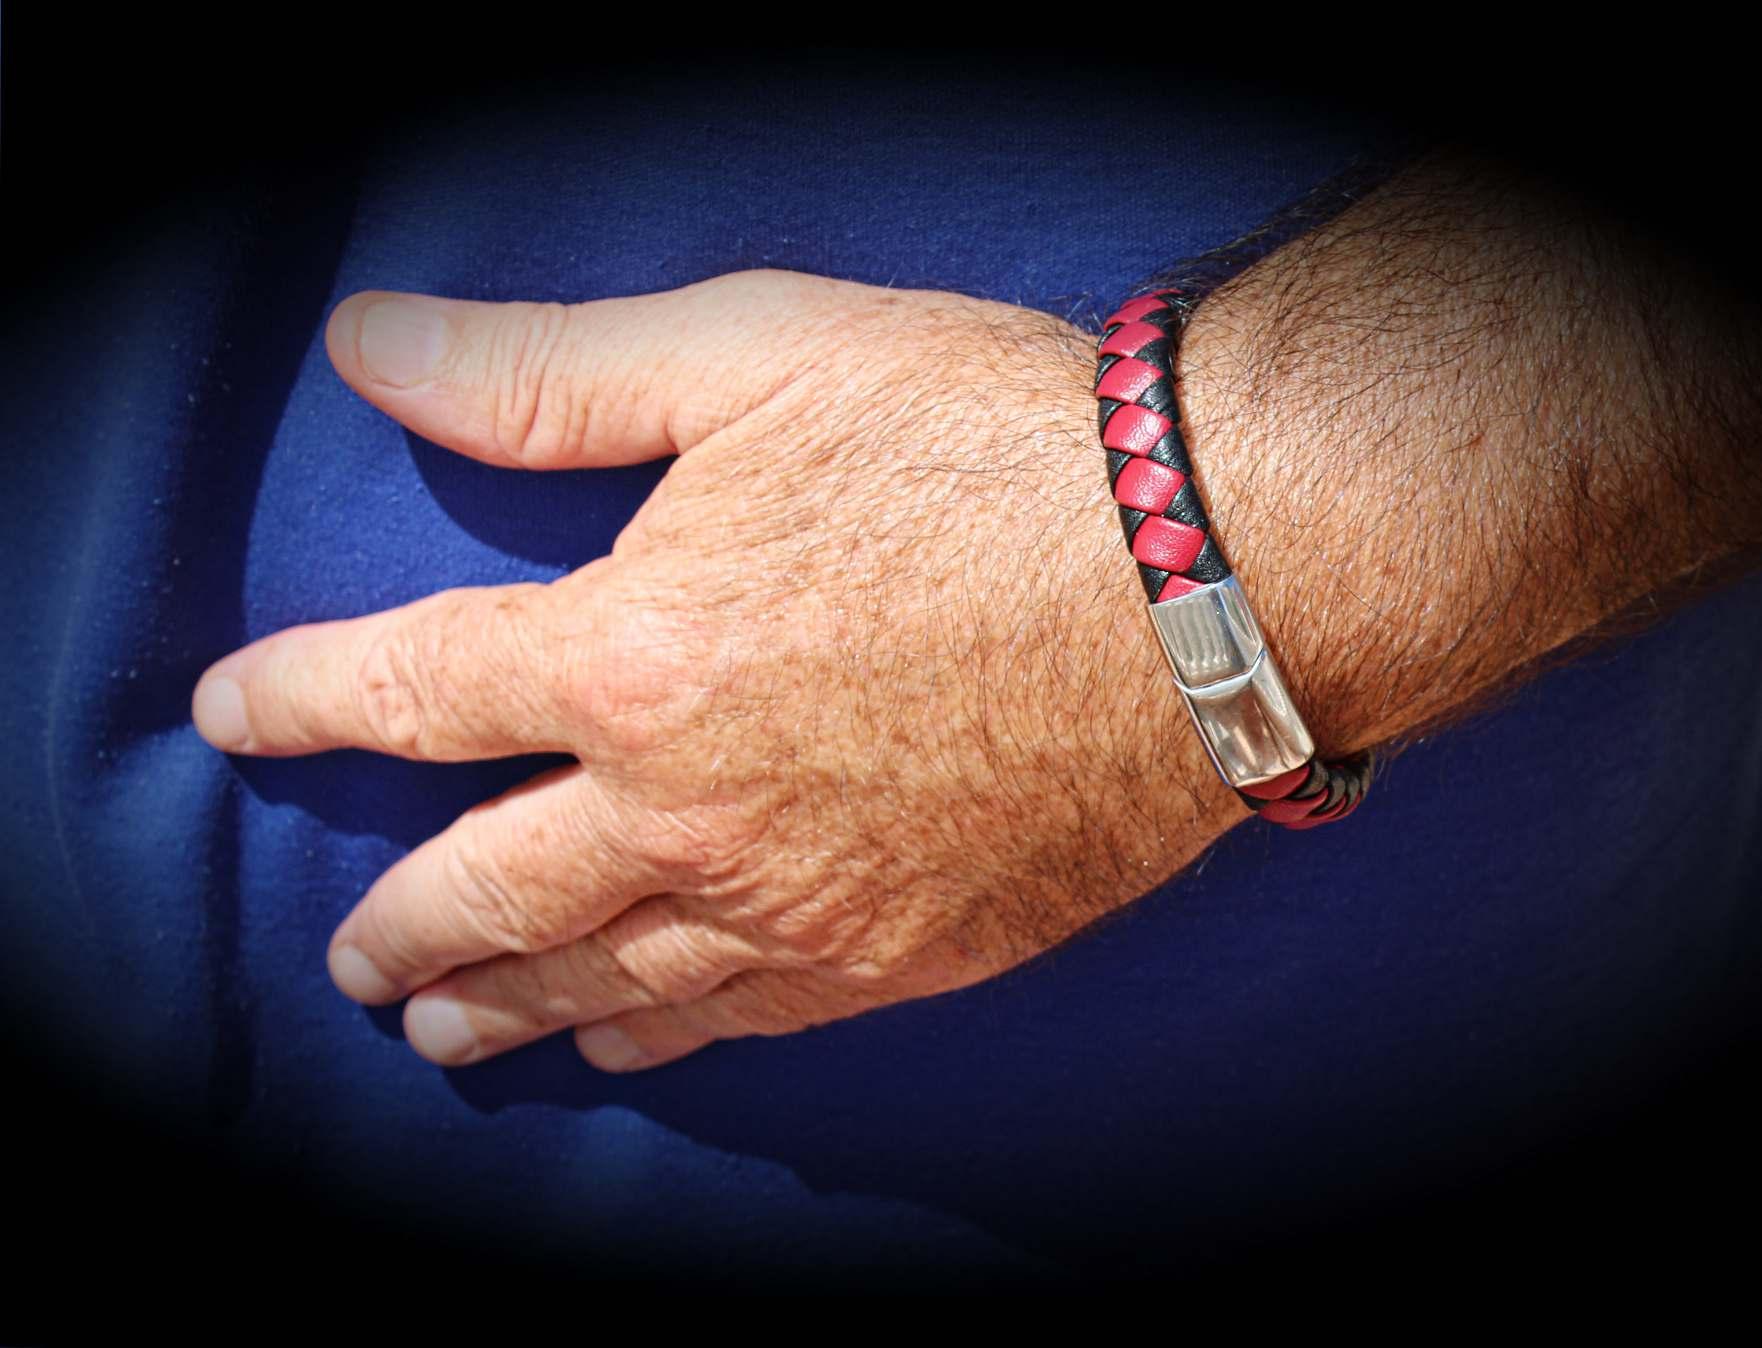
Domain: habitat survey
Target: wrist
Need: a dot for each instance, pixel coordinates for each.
(1327, 557)
(1439, 437)
(1423, 436)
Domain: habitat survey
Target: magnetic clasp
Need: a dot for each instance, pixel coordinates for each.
(1227, 677)
(1208, 634)
(1250, 726)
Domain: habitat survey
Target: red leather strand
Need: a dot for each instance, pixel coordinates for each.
(1129, 338)
(1147, 486)
(1135, 430)
(1279, 786)
(1176, 586)
(1166, 544)
(1126, 379)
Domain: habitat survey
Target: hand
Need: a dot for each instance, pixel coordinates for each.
(864, 701)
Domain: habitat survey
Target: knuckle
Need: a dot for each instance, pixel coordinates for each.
(420, 680)
(633, 679)
(667, 958)
(753, 281)
(777, 290)
(875, 969)
(537, 416)
(495, 907)
(867, 943)
(834, 925)
(890, 944)
(389, 693)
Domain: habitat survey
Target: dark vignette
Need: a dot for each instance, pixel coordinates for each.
(96, 135)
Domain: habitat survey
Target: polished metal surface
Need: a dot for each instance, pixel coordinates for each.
(1231, 685)
(1209, 634)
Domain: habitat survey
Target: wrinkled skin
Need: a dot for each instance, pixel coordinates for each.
(864, 700)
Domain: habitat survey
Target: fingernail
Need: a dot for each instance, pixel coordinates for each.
(437, 1029)
(608, 1048)
(219, 712)
(358, 977)
(402, 340)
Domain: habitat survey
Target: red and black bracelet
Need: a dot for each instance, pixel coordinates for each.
(1220, 660)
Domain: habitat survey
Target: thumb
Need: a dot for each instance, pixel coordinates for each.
(588, 385)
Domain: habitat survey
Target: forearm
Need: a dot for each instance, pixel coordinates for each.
(1457, 428)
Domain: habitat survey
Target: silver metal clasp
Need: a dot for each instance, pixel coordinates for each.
(1231, 685)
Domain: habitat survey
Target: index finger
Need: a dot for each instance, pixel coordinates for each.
(462, 674)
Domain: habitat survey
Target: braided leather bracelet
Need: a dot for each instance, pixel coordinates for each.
(1226, 675)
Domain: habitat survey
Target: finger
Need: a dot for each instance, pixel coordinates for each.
(765, 1001)
(641, 1039)
(534, 868)
(584, 385)
(653, 954)
(461, 674)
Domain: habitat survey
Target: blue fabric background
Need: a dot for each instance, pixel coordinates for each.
(1528, 921)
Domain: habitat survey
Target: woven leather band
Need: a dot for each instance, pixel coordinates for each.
(1170, 537)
